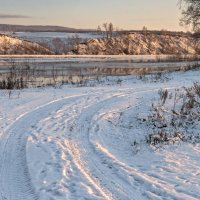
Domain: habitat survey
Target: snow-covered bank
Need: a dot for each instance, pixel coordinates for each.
(139, 43)
(81, 143)
(15, 46)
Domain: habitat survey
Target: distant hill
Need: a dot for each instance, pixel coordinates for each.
(15, 46)
(140, 43)
(37, 28)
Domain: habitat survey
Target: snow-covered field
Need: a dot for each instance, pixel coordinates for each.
(80, 143)
(49, 36)
(33, 35)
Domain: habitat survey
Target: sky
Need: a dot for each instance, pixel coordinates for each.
(125, 14)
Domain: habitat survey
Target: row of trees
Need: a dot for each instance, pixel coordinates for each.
(107, 29)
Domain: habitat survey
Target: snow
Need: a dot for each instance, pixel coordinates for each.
(13, 45)
(138, 44)
(48, 37)
(39, 36)
(85, 143)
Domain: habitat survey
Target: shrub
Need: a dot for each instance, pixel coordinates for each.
(179, 120)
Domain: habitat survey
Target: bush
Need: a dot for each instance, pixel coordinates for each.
(179, 120)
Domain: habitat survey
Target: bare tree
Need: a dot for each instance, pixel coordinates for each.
(191, 13)
(75, 41)
(144, 29)
(191, 16)
(58, 46)
(105, 26)
(110, 29)
(99, 31)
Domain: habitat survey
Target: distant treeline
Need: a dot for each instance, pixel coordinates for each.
(161, 32)
(23, 28)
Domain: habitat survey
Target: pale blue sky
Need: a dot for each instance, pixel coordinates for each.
(126, 14)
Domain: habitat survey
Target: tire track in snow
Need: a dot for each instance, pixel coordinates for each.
(15, 181)
(79, 142)
(127, 179)
(135, 177)
(74, 150)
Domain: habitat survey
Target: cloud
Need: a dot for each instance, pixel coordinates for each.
(8, 16)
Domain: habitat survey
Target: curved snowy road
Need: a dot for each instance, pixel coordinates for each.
(82, 146)
(15, 181)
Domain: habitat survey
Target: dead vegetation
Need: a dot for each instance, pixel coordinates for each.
(22, 75)
(176, 117)
(25, 75)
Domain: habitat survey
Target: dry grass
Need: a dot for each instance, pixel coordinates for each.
(175, 118)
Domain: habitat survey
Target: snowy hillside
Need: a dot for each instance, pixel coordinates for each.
(138, 44)
(133, 43)
(11, 45)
